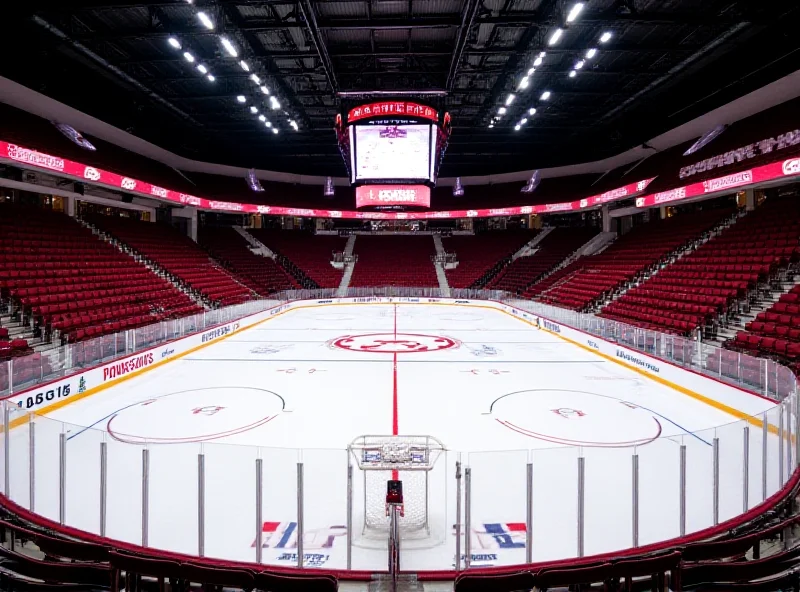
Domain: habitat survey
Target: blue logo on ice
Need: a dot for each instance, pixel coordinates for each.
(483, 351)
(499, 535)
(510, 535)
(283, 535)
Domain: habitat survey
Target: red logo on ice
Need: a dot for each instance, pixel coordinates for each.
(568, 413)
(389, 343)
(209, 410)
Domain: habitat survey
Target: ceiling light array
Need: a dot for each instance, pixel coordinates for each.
(553, 39)
(590, 54)
(231, 50)
(175, 43)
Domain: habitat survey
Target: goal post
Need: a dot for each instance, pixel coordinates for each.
(408, 459)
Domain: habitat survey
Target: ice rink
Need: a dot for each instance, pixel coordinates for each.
(495, 390)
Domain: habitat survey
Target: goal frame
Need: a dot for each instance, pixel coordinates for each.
(397, 454)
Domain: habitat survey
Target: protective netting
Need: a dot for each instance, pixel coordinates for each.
(415, 501)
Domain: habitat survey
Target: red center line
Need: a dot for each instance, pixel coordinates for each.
(394, 390)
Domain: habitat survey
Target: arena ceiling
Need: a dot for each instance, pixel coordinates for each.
(663, 62)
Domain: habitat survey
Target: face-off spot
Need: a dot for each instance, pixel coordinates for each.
(576, 418)
(197, 415)
(394, 343)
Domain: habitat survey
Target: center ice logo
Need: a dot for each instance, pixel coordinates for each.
(394, 343)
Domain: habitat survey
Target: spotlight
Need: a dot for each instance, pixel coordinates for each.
(174, 42)
(211, 78)
(205, 20)
(458, 188)
(545, 95)
(328, 190)
(244, 66)
(202, 69)
(535, 179)
(189, 57)
(229, 47)
(555, 36)
(241, 99)
(605, 37)
(576, 10)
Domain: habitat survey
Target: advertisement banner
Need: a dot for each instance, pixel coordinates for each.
(389, 108)
(767, 172)
(393, 195)
(26, 157)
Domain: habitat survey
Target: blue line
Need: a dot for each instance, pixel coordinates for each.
(89, 427)
(680, 427)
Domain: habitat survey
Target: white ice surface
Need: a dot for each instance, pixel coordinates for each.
(504, 394)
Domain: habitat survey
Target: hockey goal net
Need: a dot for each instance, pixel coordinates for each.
(405, 458)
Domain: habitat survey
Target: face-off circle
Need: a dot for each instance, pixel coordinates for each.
(576, 418)
(394, 343)
(196, 415)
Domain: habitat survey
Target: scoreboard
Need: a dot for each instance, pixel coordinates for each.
(393, 150)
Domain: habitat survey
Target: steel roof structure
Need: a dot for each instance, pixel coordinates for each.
(619, 71)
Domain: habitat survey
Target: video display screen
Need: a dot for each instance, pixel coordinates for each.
(393, 152)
